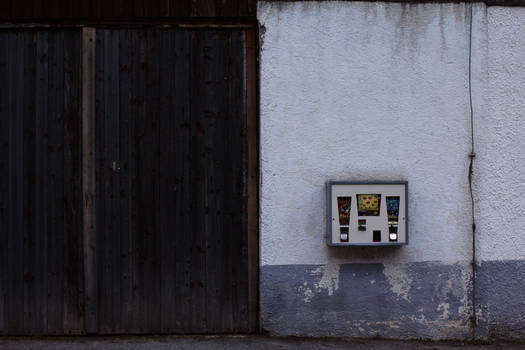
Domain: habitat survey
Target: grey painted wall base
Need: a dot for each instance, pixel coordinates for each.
(500, 295)
(414, 300)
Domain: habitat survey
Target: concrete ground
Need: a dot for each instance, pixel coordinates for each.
(234, 343)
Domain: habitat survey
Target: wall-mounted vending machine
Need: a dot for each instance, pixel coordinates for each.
(367, 213)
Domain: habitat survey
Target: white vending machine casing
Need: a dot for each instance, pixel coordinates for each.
(367, 214)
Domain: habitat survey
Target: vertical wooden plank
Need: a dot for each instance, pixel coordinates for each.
(31, 267)
(39, 6)
(40, 280)
(180, 8)
(6, 10)
(125, 8)
(129, 106)
(215, 86)
(65, 9)
(238, 190)
(111, 45)
(152, 8)
(126, 68)
(51, 177)
(4, 185)
(52, 9)
(239, 53)
(138, 212)
(167, 181)
(107, 10)
(79, 221)
(75, 10)
(251, 8)
(226, 129)
(182, 158)
(88, 181)
(220, 6)
(71, 122)
(112, 111)
(229, 200)
(164, 8)
(96, 9)
(198, 185)
(56, 206)
(144, 202)
(102, 176)
(252, 142)
(229, 8)
(139, 9)
(109, 233)
(150, 184)
(15, 306)
(202, 8)
(241, 9)
(21, 9)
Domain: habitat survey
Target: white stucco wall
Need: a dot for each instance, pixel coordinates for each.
(500, 139)
(379, 91)
(365, 91)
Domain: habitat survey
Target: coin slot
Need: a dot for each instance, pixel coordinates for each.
(344, 234)
(392, 233)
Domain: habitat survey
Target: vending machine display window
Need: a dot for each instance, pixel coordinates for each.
(369, 204)
(367, 213)
(343, 205)
(392, 208)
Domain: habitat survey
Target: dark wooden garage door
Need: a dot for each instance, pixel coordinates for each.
(41, 281)
(171, 181)
(168, 243)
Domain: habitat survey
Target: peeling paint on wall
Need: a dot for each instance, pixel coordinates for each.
(423, 300)
(400, 282)
(326, 279)
(329, 278)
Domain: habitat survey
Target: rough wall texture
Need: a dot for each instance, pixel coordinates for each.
(379, 91)
(415, 300)
(500, 139)
(499, 177)
(364, 91)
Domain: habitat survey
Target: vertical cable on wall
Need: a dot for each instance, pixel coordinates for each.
(472, 154)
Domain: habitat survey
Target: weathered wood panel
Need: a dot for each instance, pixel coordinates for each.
(15, 231)
(165, 246)
(252, 138)
(4, 184)
(181, 246)
(40, 188)
(171, 180)
(88, 182)
(125, 10)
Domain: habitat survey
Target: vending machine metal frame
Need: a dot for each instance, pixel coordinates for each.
(330, 218)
